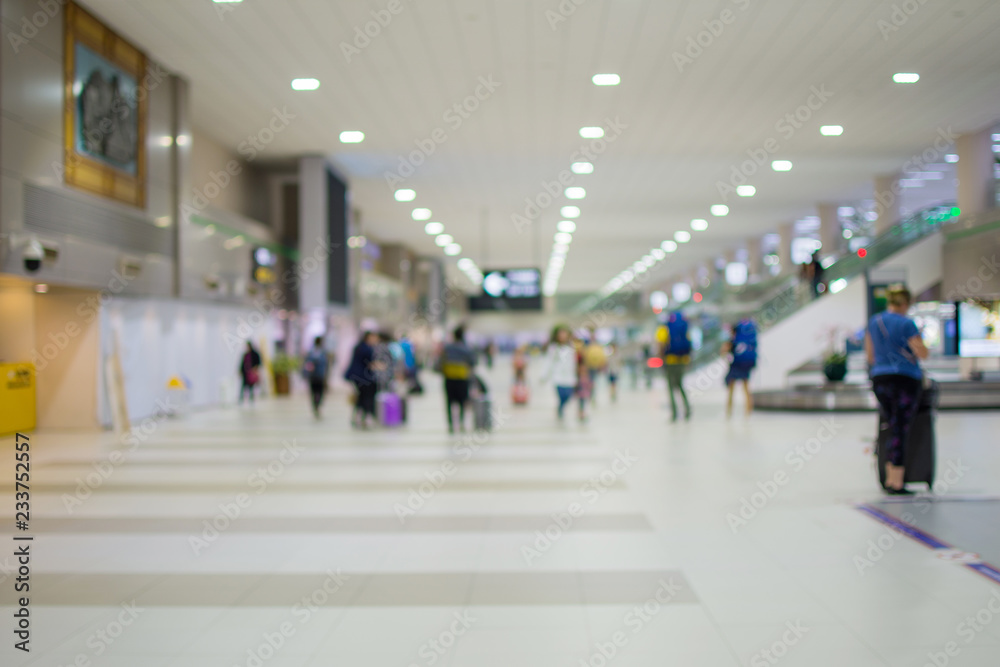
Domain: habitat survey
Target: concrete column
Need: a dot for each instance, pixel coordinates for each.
(887, 202)
(755, 256)
(830, 232)
(787, 233)
(975, 172)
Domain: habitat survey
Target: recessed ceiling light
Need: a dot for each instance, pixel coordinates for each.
(405, 195)
(453, 249)
(746, 190)
(352, 137)
(906, 77)
(781, 165)
(649, 260)
(668, 246)
(305, 84)
(421, 214)
(912, 183)
(606, 79)
(466, 264)
(720, 210)
(831, 130)
(699, 225)
(563, 238)
(582, 168)
(682, 236)
(443, 240)
(591, 132)
(658, 254)
(575, 193)
(570, 211)
(560, 249)
(567, 226)
(434, 228)
(951, 158)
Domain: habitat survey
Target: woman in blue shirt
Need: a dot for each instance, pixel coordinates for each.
(894, 346)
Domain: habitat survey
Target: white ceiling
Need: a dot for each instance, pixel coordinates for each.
(685, 130)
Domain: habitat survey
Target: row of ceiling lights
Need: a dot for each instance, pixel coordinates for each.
(442, 240)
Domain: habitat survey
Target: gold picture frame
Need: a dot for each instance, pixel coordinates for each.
(104, 115)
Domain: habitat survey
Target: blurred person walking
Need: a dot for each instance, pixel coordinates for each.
(362, 373)
(595, 361)
(456, 364)
(614, 368)
(562, 367)
(676, 358)
(314, 369)
(894, 347)
(743, 347)
(249, 371)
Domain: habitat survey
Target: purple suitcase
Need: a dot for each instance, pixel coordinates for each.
(390, 409)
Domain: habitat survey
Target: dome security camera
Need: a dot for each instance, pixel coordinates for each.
(33, 255)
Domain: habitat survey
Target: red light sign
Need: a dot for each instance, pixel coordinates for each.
(862, 253)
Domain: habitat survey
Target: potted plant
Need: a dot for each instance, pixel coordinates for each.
(281, 368)
(835, 366)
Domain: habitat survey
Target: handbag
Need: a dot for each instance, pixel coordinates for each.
(253, 377)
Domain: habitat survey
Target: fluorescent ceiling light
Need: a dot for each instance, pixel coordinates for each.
(466, 264)
(405, 195)
(699, 224)
(951, 158)
(560, 250)
(570, 211)
(582, 168)
(305, 84)
(845, 210)
(838, 285)
(434, 228)
(669, 246)
(658, 254)
(575, 193)
(443, 240)
(591, 132)
(911, 183)
(831, 130)
(606, 79)
(720, 210)
(421, 214)
(563, 238)
(453, 249)
(682, 236)
(906, 77)
(649, 260)
(782, 165)
(746, 190)
(567, 226)
(352, 137)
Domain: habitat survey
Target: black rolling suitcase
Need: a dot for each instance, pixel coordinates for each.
(921, 449)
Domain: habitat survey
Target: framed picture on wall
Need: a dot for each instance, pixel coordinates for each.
(105, 110)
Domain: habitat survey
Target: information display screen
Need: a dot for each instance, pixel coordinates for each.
(979, 329)
(509, 289)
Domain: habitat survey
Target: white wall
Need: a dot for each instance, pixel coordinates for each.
(161, 338)
(805, 335)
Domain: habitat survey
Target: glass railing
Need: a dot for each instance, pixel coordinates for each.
(794, 293)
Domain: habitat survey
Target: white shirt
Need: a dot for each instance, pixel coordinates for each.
(562, 365)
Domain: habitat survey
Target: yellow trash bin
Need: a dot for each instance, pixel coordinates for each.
(17, 398)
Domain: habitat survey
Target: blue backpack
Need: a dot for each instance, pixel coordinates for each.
(745, 344)
(679, 344)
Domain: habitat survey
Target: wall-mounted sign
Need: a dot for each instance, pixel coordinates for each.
(263, 266)
(509, 289)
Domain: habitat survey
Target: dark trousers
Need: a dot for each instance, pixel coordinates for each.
(366, 397)
(675, 382)
(899, 397)
(317, 388)
(456, 392)
(246, 388)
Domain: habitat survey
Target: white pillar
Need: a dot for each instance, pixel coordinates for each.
(830, 233)
(754, 256)
(887, 202)
(787, 233)
(975, 172)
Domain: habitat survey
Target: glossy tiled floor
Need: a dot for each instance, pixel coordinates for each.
(262, 537)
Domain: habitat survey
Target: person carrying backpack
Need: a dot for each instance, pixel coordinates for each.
(677, 357)
(314, 370)
(456, 364)
(595, 359)
(743, 347)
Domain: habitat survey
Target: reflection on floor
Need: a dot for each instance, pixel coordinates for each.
(263, 537)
